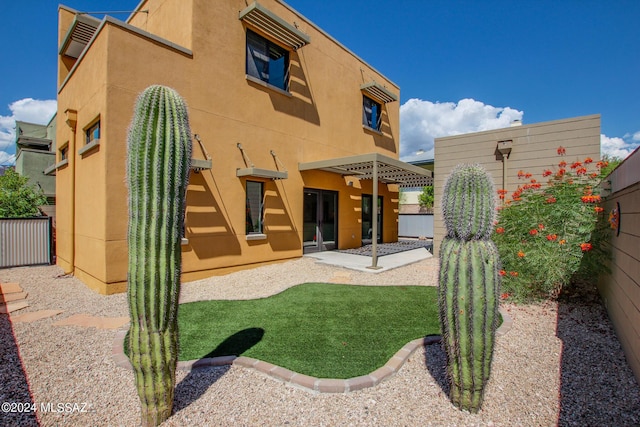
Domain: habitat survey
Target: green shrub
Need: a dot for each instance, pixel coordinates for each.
(545, 228)
(18, 199)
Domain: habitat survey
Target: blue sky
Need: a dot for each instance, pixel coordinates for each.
(462, 66)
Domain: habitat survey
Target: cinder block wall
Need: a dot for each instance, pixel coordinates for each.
(620, 289)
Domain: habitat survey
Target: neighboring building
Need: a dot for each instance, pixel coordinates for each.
(414, 220)
(504, 152)
(35, 155)
(284, 118)
(410, 198)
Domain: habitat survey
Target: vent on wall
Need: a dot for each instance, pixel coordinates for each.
(82, 30)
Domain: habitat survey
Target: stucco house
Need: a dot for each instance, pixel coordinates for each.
(295, 137)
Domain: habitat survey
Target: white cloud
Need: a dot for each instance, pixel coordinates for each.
(6, 158)
(423, 121)
(619, 147)
(27, 110)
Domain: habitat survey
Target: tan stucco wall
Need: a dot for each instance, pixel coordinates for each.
(321, 119)
(170, 20)
(534, 149)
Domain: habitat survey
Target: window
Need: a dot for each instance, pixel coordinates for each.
(255, 193)
(64, 152)
(371, 113)
(93, 133)
(266, 61)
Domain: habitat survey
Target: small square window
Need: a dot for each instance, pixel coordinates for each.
(371, 113)
(254, 217)
(267, 61)
(92, 133)
(64, 152)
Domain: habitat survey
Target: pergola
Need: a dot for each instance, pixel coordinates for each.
(378, 168)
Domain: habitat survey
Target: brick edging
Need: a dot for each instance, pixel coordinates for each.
(312, 384)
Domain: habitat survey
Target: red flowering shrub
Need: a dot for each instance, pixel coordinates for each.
(546, 228)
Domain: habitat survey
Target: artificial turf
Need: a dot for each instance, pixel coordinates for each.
(317, 329)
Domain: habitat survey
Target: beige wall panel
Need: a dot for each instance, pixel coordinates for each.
(629, 340)
(534, 149)
(627, 269)
(620, 289)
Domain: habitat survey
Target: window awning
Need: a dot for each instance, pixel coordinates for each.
(271, 24)
(379, 92)
(80, 33)
(262, 173)
(389, 170)
(252, 171)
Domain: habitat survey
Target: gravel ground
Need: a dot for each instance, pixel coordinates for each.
(560, 364)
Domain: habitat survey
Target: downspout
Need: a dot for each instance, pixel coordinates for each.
(72, 121)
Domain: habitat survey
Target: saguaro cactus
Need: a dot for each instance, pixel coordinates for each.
(469, 283)
(159, 153)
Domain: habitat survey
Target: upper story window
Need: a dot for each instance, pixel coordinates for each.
(92, 133)
(371, 113)
(64, 150)
(267, 61)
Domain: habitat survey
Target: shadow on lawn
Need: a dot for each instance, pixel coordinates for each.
(198, 381)
(15, 386)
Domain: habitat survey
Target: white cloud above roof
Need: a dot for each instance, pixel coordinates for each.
(619, 147)
(422, 121)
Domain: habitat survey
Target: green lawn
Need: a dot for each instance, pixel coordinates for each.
(317, 329)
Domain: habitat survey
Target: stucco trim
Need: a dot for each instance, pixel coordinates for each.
(268, 86)
(127, 27)
(88, 147)
(259, 236)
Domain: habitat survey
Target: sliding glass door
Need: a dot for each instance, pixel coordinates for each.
(367, 219)
(320, 225)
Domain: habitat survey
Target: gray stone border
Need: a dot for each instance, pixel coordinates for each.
(312, 384)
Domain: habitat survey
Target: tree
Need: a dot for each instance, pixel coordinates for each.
(18, 199)
(611, 162)
(426, 197)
